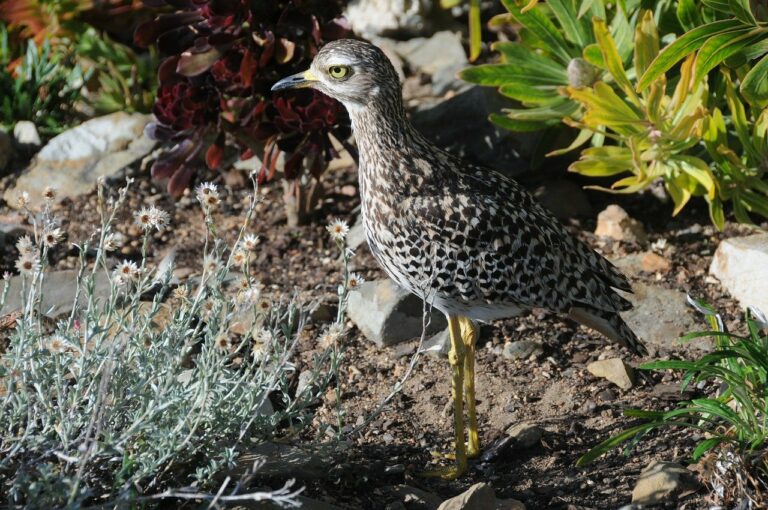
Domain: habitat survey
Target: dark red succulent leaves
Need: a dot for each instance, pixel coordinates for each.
(226, 54)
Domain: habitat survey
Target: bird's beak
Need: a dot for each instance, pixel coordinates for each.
(296, 81)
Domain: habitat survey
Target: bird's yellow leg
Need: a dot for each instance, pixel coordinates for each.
(469, 338)
(456, 359)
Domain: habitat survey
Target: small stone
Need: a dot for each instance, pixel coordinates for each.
(662, 482)
(441, 56)
(438, 345)
(614, 222)
(58, 292)
(653, 263)
(522, 349)
(26, 136)
(614, 370)
(741, 265)
(525, 435)
(387, 314)
(607, 395)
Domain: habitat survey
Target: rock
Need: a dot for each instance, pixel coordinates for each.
(387, 314)
(741, 265)
(75, 159)
(643, 262)
(58, 292)
(525, 435)
(395, 18)
(448, 123)
(438, 345)
(660, 316)
(522, 349)
(281, 461)
(441, 56)
(564, 198)
(662, 482)
(414, 498)
(480, 497)
(356, 235)
(26, 136)
(6, 150)
(614, 222)
(615, 370)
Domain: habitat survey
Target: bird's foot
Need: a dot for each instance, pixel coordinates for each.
(472, 452)
(446, 472)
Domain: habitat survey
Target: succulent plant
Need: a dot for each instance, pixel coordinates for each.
(222, 58)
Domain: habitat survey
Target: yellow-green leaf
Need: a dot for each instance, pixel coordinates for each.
(611, 57)
(646, 41)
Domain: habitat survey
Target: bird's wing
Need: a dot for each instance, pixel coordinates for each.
(510, 245)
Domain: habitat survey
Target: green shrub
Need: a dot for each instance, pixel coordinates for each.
(604, 69)
(732, 423)
(131, 395)
(43, 87)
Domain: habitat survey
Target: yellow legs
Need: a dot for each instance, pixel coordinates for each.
(461, 357)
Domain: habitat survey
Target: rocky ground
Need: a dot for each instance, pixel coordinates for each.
(547, 389)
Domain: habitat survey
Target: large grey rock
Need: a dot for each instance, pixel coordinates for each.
(395, 18)
(75, 159)
(661, 316)
(441, 56)
(662, 482)
(741, 265)
(282, 461)
(58, 292)
(480, 497)
(387, 314)
(460, 125)
(614, 370)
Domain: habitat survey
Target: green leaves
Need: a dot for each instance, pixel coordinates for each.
(739, 364)
(683, 47)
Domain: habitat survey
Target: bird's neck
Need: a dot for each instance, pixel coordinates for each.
(380, 126)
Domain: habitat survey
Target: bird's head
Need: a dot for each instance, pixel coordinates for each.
(353, 72)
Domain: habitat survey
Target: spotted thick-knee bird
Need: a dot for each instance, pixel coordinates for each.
(468, 240)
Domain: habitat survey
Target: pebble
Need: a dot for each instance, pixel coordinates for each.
(614, 370)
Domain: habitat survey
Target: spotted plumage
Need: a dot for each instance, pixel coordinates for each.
(468, 240)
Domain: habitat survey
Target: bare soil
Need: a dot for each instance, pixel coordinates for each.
(554, 391)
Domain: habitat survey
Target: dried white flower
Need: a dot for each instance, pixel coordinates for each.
(354, 281)
(28, 264)
(160, 219)
(338, 229)
(56, 344)
(222, 342)
(249, 297)
(208, 195)
(180, 293)
(126, 272)
(25, 245)
(22, 200)
(52, 237)
(331, 336)
(239, 258)
(151, 217)
(250, 241)
(211, 264)
(49, 194)
(110, 242)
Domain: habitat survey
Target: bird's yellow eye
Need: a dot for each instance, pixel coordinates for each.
(338, 72)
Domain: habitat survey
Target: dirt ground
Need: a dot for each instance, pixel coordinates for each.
(554, 390)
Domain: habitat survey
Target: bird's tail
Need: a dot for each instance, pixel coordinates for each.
(609, 324)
